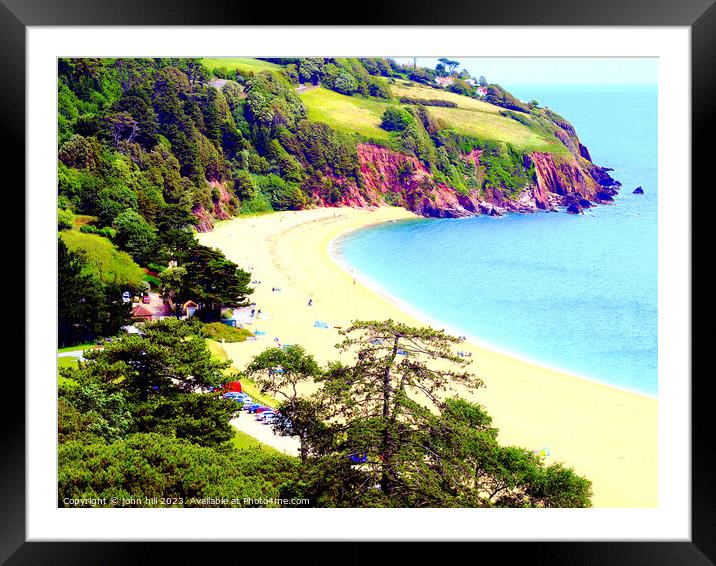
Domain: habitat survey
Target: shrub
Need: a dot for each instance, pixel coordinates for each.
(396, 119)
(65, 219)
(256, 204)
(282, 195)
(428, 102)
(219, 331)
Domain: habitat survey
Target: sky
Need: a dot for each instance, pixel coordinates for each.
(554, 70)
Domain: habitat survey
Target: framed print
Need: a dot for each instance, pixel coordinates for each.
(423, 278)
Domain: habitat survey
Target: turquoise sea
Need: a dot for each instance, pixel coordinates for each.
(573, 292)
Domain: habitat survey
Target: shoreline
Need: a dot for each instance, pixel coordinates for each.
(605, 433)
(469, 338)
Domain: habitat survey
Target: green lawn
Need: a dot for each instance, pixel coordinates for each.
(243, 441)
(240, 63)
(105, 260)
(349, 114)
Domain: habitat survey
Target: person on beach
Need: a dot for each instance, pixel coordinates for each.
(253, 312)
(310, 301)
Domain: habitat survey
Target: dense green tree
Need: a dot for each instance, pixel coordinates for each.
(86, 307)
(282, 195)
(170, 356)
(279, 369)
(173, 284)
(466, 466)
(65, 219)
(161, 374)
(396, 119)
(244, 184)
(449, 64)
(372, 397)
(80, 152)
(89, 412)
(310, 70)
(459, 86)
(389, 436)
(134, 235)
(345, 83)
(112, 201)
(145, 466)
(214, 282)
(421, 75)
(138, 105)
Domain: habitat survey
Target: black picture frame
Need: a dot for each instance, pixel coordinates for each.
(698, 15)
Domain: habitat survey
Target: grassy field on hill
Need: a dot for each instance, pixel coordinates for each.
(106, 261)
(241, 63)
(494, 127)
(356, 115)
(400, 90)
(349, 114)
(353, 114)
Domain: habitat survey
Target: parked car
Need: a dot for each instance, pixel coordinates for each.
(251, 407)
(125, 297)
(233, 395)
(270, 418)
(236, 394)
(145, 299)
(263, 415)
(238, 397)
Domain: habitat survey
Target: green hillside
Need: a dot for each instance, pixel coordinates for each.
(412, 90)
(243, 64)
(490, 126)
(348, 114)
(471, 117)
(104, 259)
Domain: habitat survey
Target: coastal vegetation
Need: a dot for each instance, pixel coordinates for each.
(151, 151)
(151, 148)
(137, 422)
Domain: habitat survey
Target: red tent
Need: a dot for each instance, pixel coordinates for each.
(233, 386)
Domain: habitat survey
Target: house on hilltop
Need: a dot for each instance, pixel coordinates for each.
(444, 81)
(481, 91)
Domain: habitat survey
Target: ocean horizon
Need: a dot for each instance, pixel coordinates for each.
(573, 292)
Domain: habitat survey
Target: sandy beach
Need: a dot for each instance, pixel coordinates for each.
(606, 434)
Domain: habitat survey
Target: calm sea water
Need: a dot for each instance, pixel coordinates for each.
(575, 292)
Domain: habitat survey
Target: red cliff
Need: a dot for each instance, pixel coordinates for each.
(390, 177)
